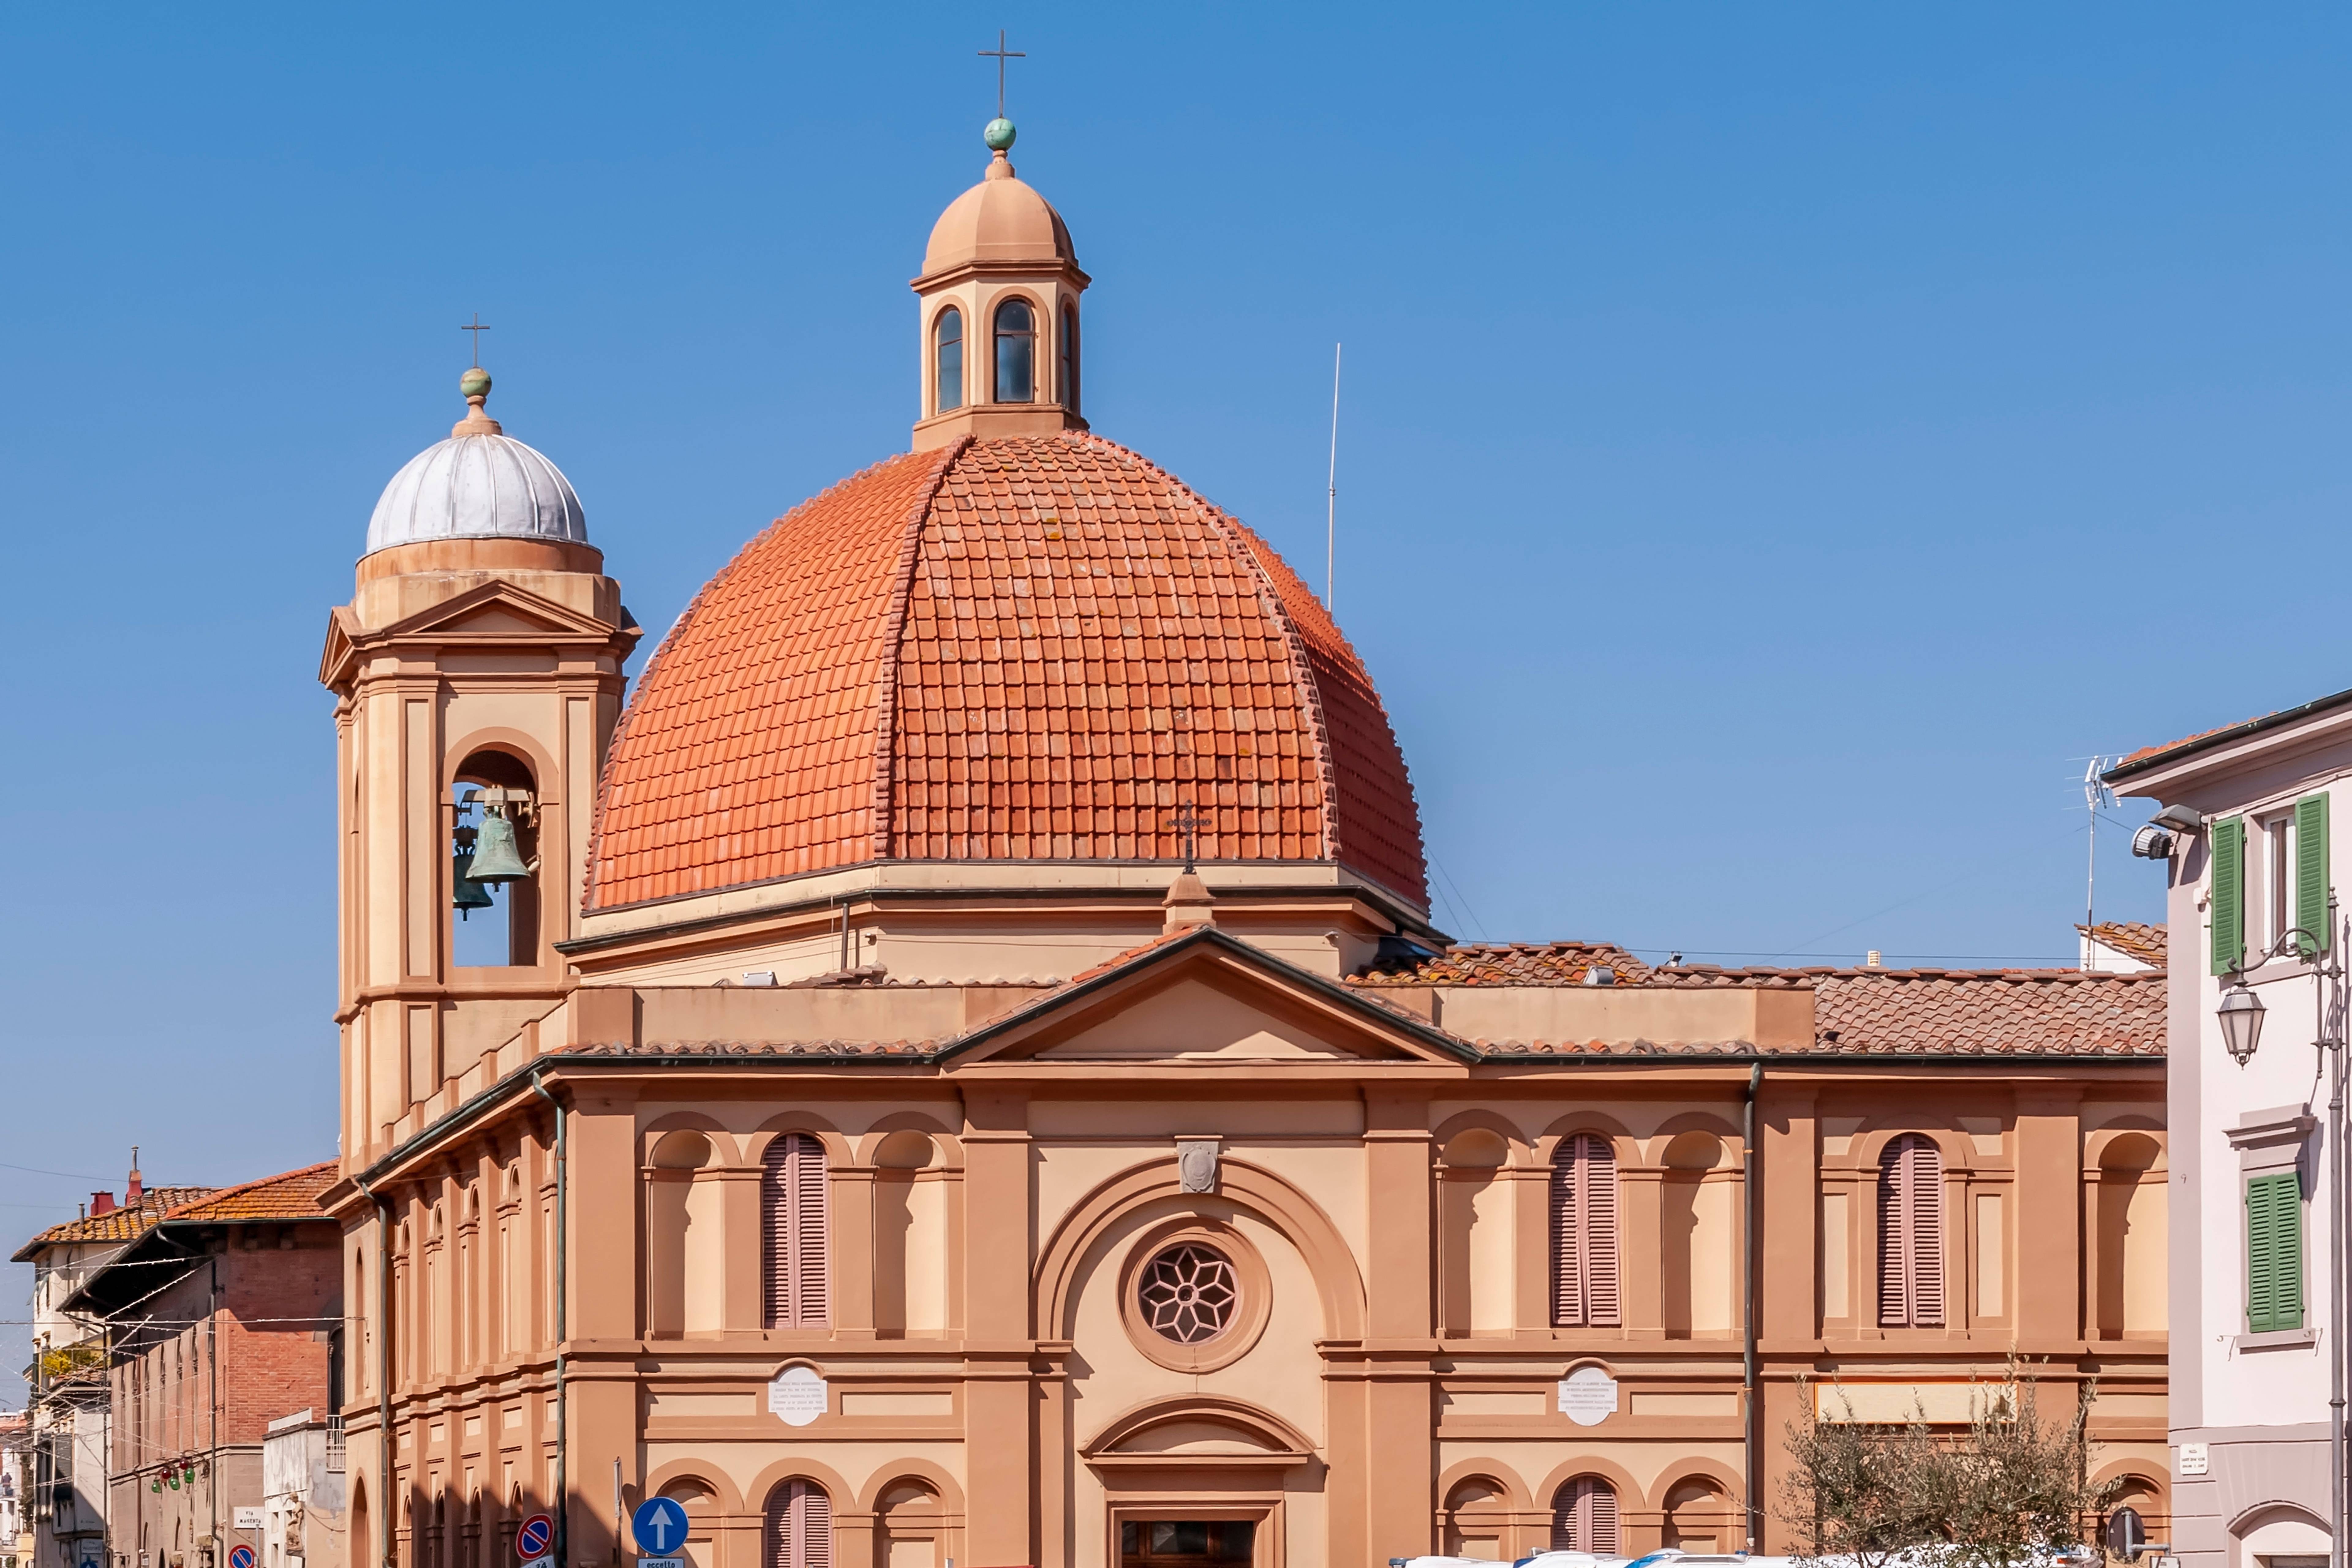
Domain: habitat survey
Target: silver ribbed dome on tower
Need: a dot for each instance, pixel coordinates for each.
(480, 483)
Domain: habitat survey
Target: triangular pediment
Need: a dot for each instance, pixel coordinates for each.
(1208, 1000)
(497, 612)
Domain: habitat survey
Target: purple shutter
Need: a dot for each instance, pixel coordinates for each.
(795, 1231)
(1926, 1194)
(1584, 1233)
(1600, 1162)
(1911, 1234)
(1895, 1236)
(800, 1526)
(1567, 1243)
(1584, 1517)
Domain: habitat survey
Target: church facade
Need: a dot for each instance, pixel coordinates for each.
(957, 1066)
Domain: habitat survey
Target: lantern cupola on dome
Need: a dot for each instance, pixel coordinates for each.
(999, 301)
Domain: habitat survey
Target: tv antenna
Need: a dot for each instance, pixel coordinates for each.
(1331, 494)
(2096, 796)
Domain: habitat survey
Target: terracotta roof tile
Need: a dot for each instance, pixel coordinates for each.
(1034, 648)
(293, 1195)
(1856, 1012)
(2134, 939)
(123, 1224)
(1510, 964)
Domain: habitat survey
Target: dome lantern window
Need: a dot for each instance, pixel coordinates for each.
(1016, 352)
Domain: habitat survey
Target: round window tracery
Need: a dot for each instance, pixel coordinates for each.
(1189, 1293)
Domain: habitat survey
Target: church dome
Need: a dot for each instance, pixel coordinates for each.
(480, 483)
(1038, 647)
(998, 220)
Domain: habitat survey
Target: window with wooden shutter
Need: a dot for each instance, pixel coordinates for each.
(1584, 1517)
(2311, 873)
(800, 1526)
(1584, 1233)
(2274, 1253)
(2228, 903)
(795, 1231)
(1911, 1234)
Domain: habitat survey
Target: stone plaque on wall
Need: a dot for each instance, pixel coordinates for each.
(1588, 1396)
(797, 1395)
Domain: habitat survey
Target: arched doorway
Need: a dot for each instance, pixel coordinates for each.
(1199, 1481)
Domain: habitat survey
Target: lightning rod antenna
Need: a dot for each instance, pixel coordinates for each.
(1331, 497)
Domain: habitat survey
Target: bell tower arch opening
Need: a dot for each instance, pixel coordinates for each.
(495, 901)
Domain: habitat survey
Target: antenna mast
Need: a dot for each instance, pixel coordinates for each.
(1331, 499)
(2094, 795)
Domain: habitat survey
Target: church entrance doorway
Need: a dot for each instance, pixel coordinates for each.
(1187, 1543)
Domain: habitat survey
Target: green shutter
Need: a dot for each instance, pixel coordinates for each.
(2311, 871)
(2229, 902)
(2274, 1253)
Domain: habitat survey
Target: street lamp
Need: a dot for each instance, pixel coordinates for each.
(2240, 1016)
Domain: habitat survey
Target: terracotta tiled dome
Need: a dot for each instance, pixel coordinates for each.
(1038, 648)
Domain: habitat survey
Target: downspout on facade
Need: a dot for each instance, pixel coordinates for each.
(563, 1414)
(383, 1361)
(1752, 1421)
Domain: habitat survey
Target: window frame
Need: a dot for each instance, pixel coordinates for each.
(997, 338)
(963, 373)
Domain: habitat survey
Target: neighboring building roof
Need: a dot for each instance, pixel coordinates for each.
(1967, 1011)
(292, 1196)
(1508, 964)
(126, 1223)
(2147, 757)
(2133, 939)
(1856, 1012)
(1034, 648)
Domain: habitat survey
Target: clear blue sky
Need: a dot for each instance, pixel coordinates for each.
(1780, 443)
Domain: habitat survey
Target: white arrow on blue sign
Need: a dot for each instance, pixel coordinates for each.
(659, 1525)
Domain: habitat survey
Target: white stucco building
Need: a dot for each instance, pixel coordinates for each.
(2251, 867)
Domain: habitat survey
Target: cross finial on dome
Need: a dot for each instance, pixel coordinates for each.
(475, 384)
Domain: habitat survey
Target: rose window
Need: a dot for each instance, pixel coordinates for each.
(1188, 1293)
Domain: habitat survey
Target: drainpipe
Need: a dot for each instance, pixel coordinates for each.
(2332, 1032)
(1751, 1188)
(563, 1421)
(383, 1359)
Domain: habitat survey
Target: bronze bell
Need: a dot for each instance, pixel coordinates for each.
(467, 894)
(497, 856)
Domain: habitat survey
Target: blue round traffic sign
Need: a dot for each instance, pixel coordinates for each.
(240, 1556)
(659, 1525)
(536, 1538)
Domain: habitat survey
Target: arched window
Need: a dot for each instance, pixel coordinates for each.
(1016, 352)
(1070, 358)
(1584, 1517)
(800, 1526)
(1584, 1235)
(794, 1227)
(947, 357)
(1911, 1234)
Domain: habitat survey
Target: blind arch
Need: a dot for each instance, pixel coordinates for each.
(795, 1231)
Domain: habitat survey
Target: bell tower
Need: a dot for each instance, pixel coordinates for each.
(478, 676)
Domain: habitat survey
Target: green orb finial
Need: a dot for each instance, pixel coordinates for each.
(999, 135)
(473, 384)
